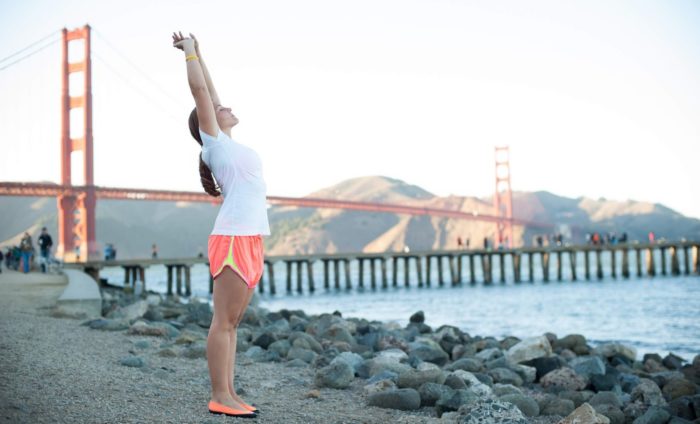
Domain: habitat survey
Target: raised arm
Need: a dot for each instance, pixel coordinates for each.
(207, 77)
(198, 86)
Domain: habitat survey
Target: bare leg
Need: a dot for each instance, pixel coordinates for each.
(230, 299)
(232, 351)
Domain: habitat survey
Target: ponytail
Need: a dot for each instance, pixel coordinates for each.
(207, 179)
(205, 175)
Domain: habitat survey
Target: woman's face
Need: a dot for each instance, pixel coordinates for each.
(224, 117)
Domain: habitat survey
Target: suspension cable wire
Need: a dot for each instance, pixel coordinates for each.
(28, 47)
(28, 55)
(135, 88)
(133, 65)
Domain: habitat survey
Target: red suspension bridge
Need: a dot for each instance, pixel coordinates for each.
(77, 203)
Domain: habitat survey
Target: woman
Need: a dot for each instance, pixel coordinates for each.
(235, 245)
(27, 248)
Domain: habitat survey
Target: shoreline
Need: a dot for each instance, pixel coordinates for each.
(302, 368)
(660, 332)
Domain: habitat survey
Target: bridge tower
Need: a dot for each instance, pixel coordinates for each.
(503, 198)
(76, 205)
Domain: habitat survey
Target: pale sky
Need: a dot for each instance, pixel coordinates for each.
(594, 98)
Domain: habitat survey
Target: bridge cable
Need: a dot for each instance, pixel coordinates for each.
(135, 88)
(31, 53)
(133, 65)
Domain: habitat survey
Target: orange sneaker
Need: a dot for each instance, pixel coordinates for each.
(217, 408)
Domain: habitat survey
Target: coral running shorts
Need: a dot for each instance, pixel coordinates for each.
(243, 254)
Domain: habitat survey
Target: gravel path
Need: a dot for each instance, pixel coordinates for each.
(55, 370)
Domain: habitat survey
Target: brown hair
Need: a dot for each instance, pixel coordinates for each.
(205, 175)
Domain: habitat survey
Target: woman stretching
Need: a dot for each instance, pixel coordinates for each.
(235, 245)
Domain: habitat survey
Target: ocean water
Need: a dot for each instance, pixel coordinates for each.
(655, 315)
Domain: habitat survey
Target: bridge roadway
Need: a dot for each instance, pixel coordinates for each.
(53, 190)
(656, 260)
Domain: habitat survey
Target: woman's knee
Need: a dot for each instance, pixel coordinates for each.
(225, 324)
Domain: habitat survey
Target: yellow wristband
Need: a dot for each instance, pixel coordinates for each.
(192, 57)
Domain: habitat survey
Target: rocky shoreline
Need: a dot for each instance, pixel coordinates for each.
(442, 374)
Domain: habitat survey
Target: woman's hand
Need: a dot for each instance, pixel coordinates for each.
(183, 43)
(196, 44)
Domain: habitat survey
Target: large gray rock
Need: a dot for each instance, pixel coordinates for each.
(609, 350)
(452, 401)
(677, 388)
(107, 324)
(654, 415)
(684, 407)
(545, 365)
(506, 389)
(473, 383)
(613, 413)
(558, 406)
(404, 399)
(527, 405)
(587, 366)
(338, 333)
(432, 392)
(305, 355)
(603, 398)
(130, 312)
(133, 361)
(564, 379)
(199, 313)
(579, 398)
(318, 325)
(455, 382)
(585, 414)
(528, 374)
(353, 359)
(265, 339)
(417, 318)
(528, 349)
(415, 378)
(466, 364)
(378, 386)
(337, 375)
(692, 371)
(306, 341)
(490, 411)
(196, 350)
(573, 342)
(373, 366)
(281, 347)
(505, 376)
(296, 363)
(394, 354)
(428, 353)
(648, 393)
(489, 354)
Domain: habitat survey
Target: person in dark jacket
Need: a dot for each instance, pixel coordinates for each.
(45, 244)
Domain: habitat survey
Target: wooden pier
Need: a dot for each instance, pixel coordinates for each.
(441, 267)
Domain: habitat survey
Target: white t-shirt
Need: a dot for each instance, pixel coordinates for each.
(238, 170)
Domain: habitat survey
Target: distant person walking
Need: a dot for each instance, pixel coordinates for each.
(27, 250)
(45, 244)
(235, 245)
(652, 237)
(154, 251)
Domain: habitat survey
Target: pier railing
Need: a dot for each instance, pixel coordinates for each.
(485, 266)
